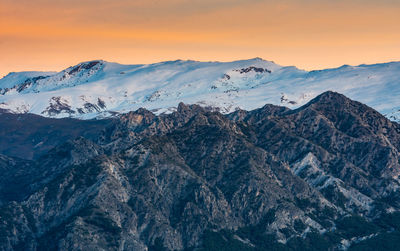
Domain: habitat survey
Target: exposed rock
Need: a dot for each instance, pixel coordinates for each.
(58, 105)
(323, 177)
(253, 68)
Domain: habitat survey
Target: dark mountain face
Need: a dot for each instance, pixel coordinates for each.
(29, 136)
(322, 177)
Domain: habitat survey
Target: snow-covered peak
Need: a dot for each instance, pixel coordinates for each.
(94, 65)
(15, 78)
(99, 88)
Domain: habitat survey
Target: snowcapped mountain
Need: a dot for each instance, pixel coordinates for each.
(101, 89)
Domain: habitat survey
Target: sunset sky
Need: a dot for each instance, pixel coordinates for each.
(54, 34)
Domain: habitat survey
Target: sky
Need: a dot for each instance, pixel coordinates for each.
(310, 34)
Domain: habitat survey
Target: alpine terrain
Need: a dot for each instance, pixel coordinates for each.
(322, 176)
(102, 89)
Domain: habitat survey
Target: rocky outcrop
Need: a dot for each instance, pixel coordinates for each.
(324, 176)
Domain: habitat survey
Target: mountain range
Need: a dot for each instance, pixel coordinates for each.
(322, 176)
(99, 89)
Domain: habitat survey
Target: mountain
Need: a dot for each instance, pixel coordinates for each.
(98, 89)
(324, 176)
(28, 136)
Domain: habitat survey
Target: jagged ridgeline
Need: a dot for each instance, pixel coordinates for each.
(322, 177)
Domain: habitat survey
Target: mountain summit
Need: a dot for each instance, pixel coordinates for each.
(102, 89)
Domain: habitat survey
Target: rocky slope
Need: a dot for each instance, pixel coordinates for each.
(29, 136)
(321, 177)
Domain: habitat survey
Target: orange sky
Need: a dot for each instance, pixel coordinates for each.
(311, 34)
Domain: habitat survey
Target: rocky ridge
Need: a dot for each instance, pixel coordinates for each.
(323, 176)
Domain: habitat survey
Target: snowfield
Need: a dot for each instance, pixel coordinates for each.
(101, 89)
